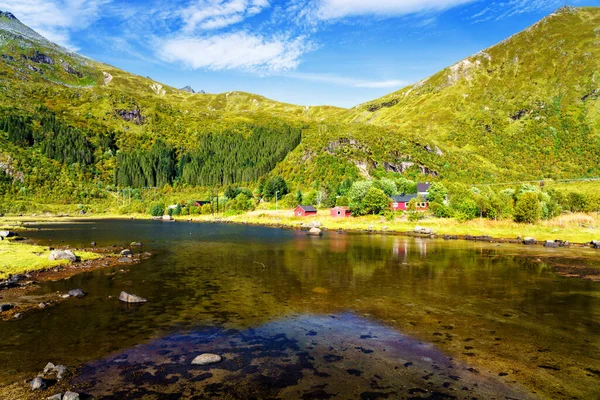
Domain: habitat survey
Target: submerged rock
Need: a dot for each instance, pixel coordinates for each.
(70, 396)
(56, 255)
(38, 384)
(206, 359)
(131, 298)
(76, 293)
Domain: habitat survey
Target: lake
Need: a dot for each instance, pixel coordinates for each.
(294, 316)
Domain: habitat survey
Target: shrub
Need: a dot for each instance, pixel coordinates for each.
(157, 210)
(528, 208)
(440, 210)
(375, 202)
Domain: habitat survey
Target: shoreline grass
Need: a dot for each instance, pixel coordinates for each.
(20, 258)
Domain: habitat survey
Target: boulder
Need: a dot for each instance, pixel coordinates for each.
(314, 224)
(551, 243)
(6, 307)
(529, 241)
(126, 252)
(70, 396)
(125, 260)
(206, 359)
(315, 232)
(136, 244)
(131, 298)
(61, 371)
(93, 244)
(595, 244)
(56, 255)
(167, 218)
(38, 384)
(57, 396)
(418, 229)
(6, 234)
(76, 293)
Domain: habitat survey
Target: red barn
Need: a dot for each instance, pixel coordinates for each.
(340, 212)
(305, 211)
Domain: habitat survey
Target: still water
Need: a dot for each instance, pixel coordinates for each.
(339, 316)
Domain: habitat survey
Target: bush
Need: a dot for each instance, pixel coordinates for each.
(289, 201)
(375, 202)
(157, 210)
(440, 210)
(528, 208)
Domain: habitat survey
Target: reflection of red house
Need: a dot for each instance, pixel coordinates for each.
(400, 203)
(305, 211)
(340, 212)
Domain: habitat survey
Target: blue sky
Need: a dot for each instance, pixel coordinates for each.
(308, 52)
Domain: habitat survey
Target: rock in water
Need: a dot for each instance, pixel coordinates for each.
(125, 260)
(38, 384)
(126, 252)
(206, 359)
(62, 255)
(131, 298)
(136, 244)
(76, 293)
(70, 396)
(315, 232)
(57, 396)
(6, 307)
(529, 240)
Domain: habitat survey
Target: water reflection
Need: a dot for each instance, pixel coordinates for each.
(485, 305)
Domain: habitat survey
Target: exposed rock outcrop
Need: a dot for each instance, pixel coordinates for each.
(134, 116)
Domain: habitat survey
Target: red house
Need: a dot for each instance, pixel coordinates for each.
(340, 212)
(305, 211)
(400, 202)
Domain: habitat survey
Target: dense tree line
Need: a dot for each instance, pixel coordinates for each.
(146, 168)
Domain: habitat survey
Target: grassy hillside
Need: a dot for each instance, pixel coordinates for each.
(71, 127)
(525, 108)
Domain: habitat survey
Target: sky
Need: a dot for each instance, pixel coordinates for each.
(306, 52)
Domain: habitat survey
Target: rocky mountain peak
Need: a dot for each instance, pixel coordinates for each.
(7, 15)
(188, 89)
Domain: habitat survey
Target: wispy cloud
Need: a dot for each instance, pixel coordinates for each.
(216, 14)
(331, 79)
(56, 20)
(238, 50)
(498, 10)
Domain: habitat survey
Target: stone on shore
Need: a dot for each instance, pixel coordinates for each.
(6, 307)
(38, 384)
(76, 293)
(57, 396)
(125, 260)
(136, 244)
(315, 232)
(56, 255)
(167, 218)
(206, 359)
(529, 241)
(126, 252)
(551, 243)
(7, 234)
(131, 298)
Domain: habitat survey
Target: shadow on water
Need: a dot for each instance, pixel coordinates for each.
(491, 308)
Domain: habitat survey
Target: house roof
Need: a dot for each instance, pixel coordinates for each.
(341, 208)
(403, 198)
(423, 187)
(308, 208)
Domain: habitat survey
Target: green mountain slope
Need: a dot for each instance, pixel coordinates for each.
(526, 108)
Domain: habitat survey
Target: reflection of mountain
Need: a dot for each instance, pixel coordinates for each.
(306, 356)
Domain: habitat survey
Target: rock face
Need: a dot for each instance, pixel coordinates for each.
(315, 232)
(62, 255)
(131, 298)
(76, 293)
(206, 359)
(38, 384)
(134, 116)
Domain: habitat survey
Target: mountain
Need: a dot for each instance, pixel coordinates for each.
(526, 108)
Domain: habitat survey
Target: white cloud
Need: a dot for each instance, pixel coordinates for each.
(238, 50)
(507, 8)
(334, 9)
(346, 81)
(56, 19)
(215, 14)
